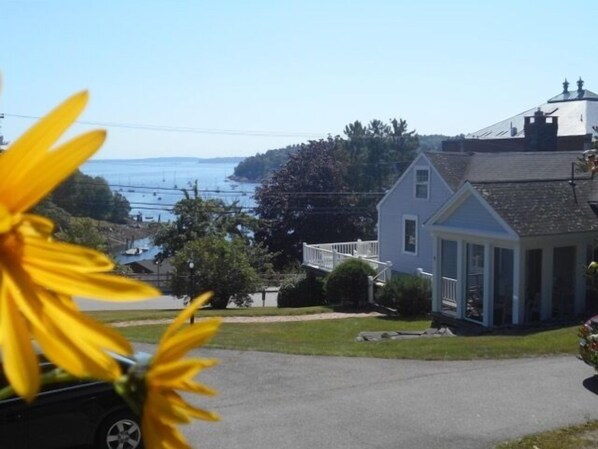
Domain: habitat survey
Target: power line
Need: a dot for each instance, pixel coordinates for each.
(184, 129)
(173, 191)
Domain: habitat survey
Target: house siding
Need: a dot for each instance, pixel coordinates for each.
(473, 215)
(400, 203)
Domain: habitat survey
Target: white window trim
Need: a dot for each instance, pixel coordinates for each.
(411, 218)
(415, 183)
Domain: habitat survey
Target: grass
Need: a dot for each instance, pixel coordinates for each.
(582, 436)
(114, 316)
(337, 338)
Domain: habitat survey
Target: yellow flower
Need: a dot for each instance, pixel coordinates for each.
(38, 276)
(163, 407)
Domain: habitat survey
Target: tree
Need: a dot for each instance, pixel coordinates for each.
(83, 231)
(219, 265)
(306, 201)
(218, 239)
(85, 196)
(255, 168)
(378, 153)
(197, 218)
(328, 190)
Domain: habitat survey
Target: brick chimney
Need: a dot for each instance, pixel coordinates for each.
(540, 132)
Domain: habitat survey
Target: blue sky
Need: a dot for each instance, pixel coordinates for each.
(286, 71)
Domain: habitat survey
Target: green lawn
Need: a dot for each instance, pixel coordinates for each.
(583, 436)
(337, 338)
(140, 315)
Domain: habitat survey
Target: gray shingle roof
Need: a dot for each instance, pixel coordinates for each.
(451, 166)
(534, 208)
(456, 168)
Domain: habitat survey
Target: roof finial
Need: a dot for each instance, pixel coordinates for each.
(566, 86)
(580, 85)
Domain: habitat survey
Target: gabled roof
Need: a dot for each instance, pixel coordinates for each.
(534, 208)
(451, 166)
(456, 168)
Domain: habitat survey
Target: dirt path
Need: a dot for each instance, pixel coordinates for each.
(262, 319)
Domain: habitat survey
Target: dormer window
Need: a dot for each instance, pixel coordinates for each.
(422, 183)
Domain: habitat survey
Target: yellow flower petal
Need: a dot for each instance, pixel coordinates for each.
(5, 219)
(19, 287)
(84, 327)
(170, 374)
(59, 352)
(158, 435)
(36, 225)
(101, 286)
(169, 413)
(19, 359)
(64, 161)
(178, 345)
(24, 153)
(79, 358)
(63, 256)
(195, 387)
(184, 316)
(177, 401)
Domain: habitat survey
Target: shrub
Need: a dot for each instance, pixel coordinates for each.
(588, 342)
(409, 295)
(303, 293)
(220, 265)
(348, 282)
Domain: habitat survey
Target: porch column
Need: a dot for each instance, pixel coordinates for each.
(460, 277)
(436, 275)
(488, 275)
(547, 281)
(580, 284)
(518, 297)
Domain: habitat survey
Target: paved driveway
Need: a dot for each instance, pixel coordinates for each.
(299, 402)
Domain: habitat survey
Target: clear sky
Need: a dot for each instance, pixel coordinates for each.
(247, 76)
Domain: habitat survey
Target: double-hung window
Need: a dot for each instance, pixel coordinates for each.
(410, 234)
(422, 183)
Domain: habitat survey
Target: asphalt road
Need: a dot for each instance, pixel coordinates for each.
(162, 302)
(299, 402)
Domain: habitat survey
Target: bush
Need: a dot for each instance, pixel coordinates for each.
(588, 342)
(220, 265)
(409, 295)
(348, 283)
(306, 292)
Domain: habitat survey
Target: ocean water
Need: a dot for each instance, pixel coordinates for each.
(153, 186)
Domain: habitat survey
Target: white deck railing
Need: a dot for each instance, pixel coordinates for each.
(327, 256)
(448, 290)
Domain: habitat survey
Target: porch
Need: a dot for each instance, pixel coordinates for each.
(502, 283)
(326, 256)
